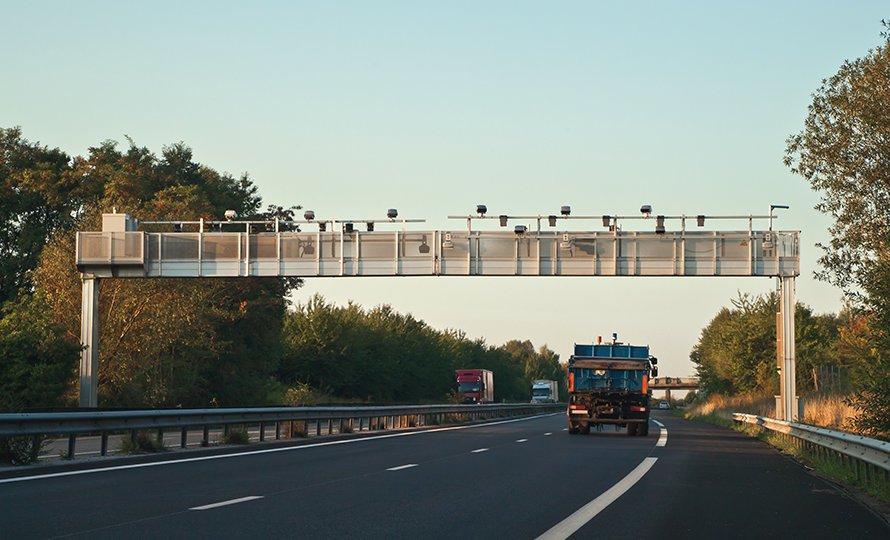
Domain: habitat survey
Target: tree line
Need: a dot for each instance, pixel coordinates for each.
(844, 155)
(191, 342)
(736, 352)
(381, 356)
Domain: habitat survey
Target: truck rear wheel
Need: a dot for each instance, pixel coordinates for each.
(631, 429)
(644, 430)
(573, 429)
(585, 429)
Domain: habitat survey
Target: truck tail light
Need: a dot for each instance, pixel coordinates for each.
(573, 407)
(645, 384)
(635, 408)
(572, 382)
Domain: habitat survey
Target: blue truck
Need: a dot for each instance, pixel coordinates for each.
(609, 384)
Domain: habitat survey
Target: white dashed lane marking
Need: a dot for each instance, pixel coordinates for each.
(226, 503)
(476, 451)
(400, 467)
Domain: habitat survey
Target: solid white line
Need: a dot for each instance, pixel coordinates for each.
(476, 451)
(400, 467)
(663, 438)
(226, 503)
(521, 440)
(571, 524)
(265, 451)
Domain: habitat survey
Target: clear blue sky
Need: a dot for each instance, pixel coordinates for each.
(350, 108)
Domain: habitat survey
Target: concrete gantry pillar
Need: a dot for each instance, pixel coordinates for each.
(89, 339)
(787, 351)
(667, 394)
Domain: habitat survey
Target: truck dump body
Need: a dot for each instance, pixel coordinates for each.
(608, 384)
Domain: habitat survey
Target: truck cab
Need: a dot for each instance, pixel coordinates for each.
(474, 385)
(545, 391)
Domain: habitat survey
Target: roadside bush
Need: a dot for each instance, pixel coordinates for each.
(301, 395)
(236, 436)
(145, 441)
(22, 450)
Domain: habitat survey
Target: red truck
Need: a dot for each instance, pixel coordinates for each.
(475, 385)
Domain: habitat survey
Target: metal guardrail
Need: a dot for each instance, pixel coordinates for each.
(857, 448)
(292, 420)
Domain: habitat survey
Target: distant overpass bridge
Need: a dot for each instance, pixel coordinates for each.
(674, 383)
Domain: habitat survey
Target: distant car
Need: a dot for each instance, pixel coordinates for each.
(664, 405)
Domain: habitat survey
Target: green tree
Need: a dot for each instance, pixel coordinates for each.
(39, 195)
(37, 363)
(178, 342)
(379, 355)
(736, 352)
(843, 153)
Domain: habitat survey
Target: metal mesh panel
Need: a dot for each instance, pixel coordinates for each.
(376, 247)
(330, 245)
(220, 246)
(661, 248)
(458, 249)
(586, 247)
(133, 245)
(528, 248)
(263, 246)
(414, 246)
(497, 248)
(699, 247)
(180, 246)
(299, 246)
(94, 246)
(734, 248)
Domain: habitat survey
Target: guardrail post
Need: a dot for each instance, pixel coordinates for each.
(262, 432)
(205, 441)
(72, 438)
(183, 437)
(103, 446)
(277, 430)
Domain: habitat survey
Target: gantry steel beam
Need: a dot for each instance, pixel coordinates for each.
(122, 251)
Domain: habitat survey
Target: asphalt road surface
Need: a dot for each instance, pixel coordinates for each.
(525, 478)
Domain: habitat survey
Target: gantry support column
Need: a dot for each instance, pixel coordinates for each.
(89, 339)
(787, 351)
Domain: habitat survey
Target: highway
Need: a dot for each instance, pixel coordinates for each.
(506, 479)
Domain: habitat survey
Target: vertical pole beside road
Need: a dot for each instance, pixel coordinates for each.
(89, 339)
(789, 410)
